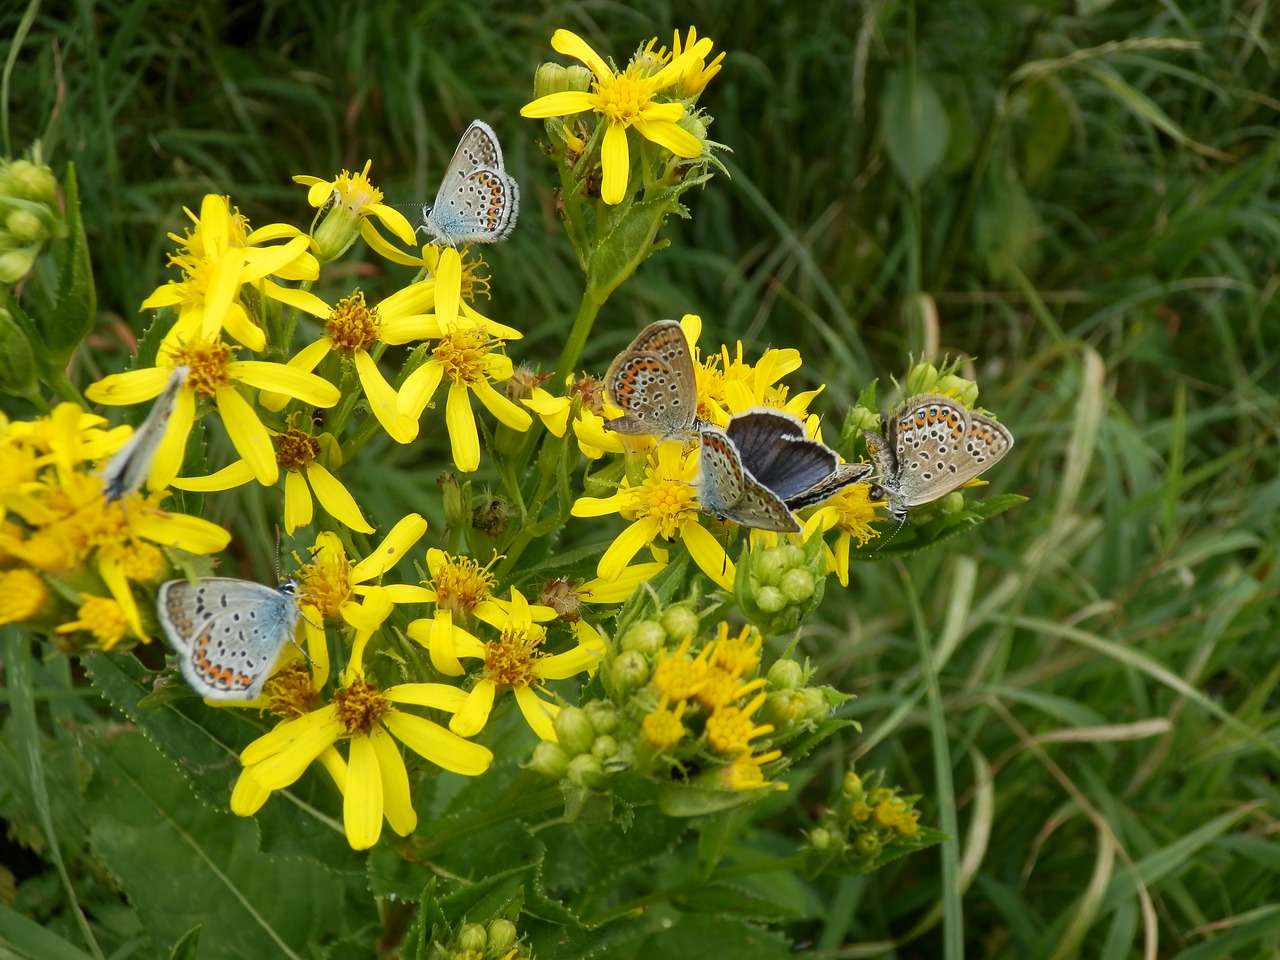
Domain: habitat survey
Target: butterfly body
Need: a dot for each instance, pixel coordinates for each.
(934, 445)
(228, 633)
(478, 201)
(655, 384)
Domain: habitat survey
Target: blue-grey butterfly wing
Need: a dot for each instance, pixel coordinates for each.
(776, 450)
(478, 201)
(128, 467)
(228, 633)
(728, 491)
(844, 475)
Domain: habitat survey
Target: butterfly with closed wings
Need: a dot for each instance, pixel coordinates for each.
(478, 201)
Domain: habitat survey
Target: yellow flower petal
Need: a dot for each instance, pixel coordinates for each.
(670, 135)
(303, 300)
(133, 386)
(502, 407)
(474, 714)
(625, 546)
(248, 796)
(537, 713)
(438, 696)
(418, 389)
(561, 666)
(616, 162)
(410, 593)
(248, 435)
(444, 749)
(383, 401)
(621, 587)
(397, 806)
(599, 506)
(408, 530)
(461, 423)
(562, 104)
(234, 475)
(279, 378)
(297, 502)
(362, 800)
(572, 45)
(192, 534)
(448, 287)
(384, 249)
(393, 220)
(307, 738)
(304, 360)
(236, 322)
(708, 553)
(173, 448)
(335, 499)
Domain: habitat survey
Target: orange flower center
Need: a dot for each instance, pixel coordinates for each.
(464, 354)
(461, 585)
(353, 325)
(591, 391)
(296, 450)
(510, 661)
(208, 364)
(359, 705)
(289, 693)
(326, 583)
(670, 502)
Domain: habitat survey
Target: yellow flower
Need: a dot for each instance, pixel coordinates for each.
(22, 595)
(730, 729)
(515, 661)
(373, 778)
(850, 512)
(101, 617)
(298, 452)
(743, 773)
(663, 505)
(699, 73)
(468, 357)
(588, 425)
(624, 100)
(355, 202)
(216, 375)
(662, 728)
(218, 257)
(331, 583)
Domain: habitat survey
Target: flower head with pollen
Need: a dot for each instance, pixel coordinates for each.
(517, 661)
(372, 777)
(625, 100)
(351, 203)
(298, 454)
(331, 584)
(469, 358)
(216, 375)
(662, 505)
(730, 729)
(218, 257)
(586, 396)
(850, 512)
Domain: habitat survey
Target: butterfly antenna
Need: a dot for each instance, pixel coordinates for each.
(896, 530)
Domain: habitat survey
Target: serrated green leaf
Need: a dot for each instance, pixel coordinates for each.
(724, 899)
(679, 800)
(75, 308)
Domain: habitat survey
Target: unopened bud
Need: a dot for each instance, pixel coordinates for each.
(26, 227)
(679, 622)
(604, 747)
(770, 599)
(629, 672)
(798, 585)
(922, 378)
(783, 709)
(646, 637)
(587, 771)
(30, 181)
(966, 391)
(16, 264)
(785, 675)
(473, 937)
(550, 760)
(574, 730)
(502, 935)
(604, 715)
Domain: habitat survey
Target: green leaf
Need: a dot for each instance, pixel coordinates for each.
(915, 126)
(145, 825)
(75, 306)
(723, 899)
(681, 800)
(29, 940)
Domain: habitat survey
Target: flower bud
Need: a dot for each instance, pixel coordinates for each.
(769, 565)
(456, 514)
(550, 760)
(922, 378)
(552, 78)
(30, 181)
(603, 714)
(820, 838)
(502, 936)
(646, 637)
(16, 264)
(866, 845)
(336, 232)
(17, 359)
(472, 936)
(26, 227)
(953, 502)
(852, 786)
(785, 675)
(797, 584)
(587, 771)
(816, 708)
(770, 599)
(574, 730)
(966, 391)
(783, 709)
(604, 747)
(679, 622)
(629, 672)
(623, 759)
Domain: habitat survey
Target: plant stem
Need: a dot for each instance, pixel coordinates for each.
(582, 325)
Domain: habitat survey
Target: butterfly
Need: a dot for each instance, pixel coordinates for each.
(727, 489)
(776, 449)
(228, 633)
(128, 467)
(478, 200)
(654, 383)
(934, 446)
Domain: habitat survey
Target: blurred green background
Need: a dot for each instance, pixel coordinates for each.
(1081, 196)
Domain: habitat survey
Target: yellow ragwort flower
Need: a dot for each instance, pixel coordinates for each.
(217, 375)
(353, 203)
(624, 100)
(217, 258)
(850, 512)
(100, 617)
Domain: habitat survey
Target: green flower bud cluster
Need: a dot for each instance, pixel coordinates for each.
(865, 825)
(677, 703)
(29, 216)
(478, 941)
(778, 587)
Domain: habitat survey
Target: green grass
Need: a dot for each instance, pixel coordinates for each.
(1092, 676)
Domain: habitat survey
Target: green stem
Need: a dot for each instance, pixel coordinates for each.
(64, 388)
(573, 348)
